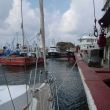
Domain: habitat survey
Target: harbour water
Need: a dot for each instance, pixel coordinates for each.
(71, 94)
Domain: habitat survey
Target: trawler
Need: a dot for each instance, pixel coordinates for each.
(21, 56)
(90, 50)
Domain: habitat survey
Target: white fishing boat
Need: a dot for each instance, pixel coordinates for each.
(88, 43)
(53, 50)
(90, 50)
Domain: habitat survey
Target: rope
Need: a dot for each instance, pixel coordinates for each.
(29, 84)
(26, 90)
(9, 90)
(27, 96)
(30, 77)
(35, 74)
(73, 65)
(66, 77)
(34, 79)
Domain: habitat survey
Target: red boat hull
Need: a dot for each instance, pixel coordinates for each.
(20, 61)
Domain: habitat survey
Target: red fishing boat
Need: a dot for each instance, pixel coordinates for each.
(23, 56)
(20, 60)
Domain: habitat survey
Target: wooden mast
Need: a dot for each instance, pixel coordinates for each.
(42, 31)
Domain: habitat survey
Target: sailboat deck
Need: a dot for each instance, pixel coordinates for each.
(43, 96)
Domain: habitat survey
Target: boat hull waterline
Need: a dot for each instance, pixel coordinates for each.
(20, 61)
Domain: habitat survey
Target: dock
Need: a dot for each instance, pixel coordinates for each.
(95, 84)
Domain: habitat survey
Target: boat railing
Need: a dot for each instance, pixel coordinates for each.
(54, 90)
(49, 80)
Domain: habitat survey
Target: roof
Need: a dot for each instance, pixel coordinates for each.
(88, 37)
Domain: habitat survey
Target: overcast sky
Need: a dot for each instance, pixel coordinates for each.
(65, 20)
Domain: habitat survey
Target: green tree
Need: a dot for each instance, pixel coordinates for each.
(63, 46)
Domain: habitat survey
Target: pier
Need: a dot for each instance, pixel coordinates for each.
(96, 84)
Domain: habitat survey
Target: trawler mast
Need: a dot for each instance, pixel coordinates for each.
(22, 25)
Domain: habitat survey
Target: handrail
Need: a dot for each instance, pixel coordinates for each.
(30, 77)
(35, 74)
(54, 90)
(51, 81)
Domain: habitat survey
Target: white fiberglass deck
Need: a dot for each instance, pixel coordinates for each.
(16, 90)
(18, 94)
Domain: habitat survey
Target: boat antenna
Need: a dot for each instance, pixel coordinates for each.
(22, 25)
(95, 21)
(42, 31)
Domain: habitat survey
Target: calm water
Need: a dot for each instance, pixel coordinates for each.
(71, 92)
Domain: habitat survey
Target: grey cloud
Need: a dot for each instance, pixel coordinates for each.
(5, 6)
(84, 10)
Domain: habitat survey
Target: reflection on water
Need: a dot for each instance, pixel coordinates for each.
(71, 92)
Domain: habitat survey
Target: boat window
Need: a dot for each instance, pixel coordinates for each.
(33, 54)
(23, 54)
(88, 40)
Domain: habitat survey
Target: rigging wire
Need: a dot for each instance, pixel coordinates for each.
(9, 90)
(26, 90)
(35, 75)
(22, 25)
(95, 21)
(94, 9)
(22, 29)
(70, 70)
(26, 80)
(30, 77)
